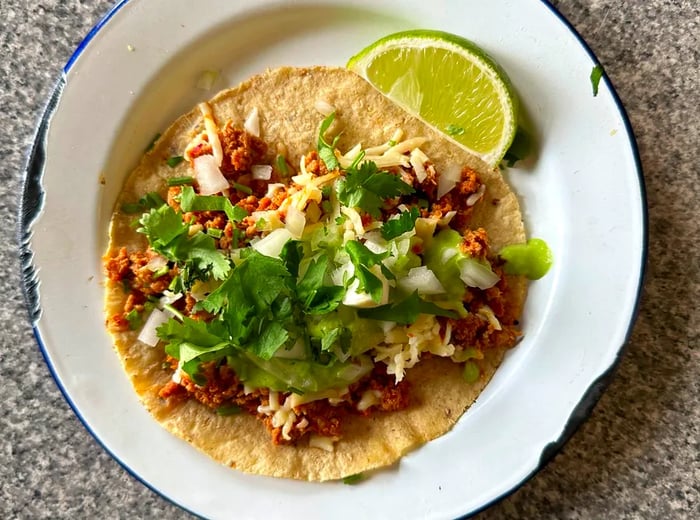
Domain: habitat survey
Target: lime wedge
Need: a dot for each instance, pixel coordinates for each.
(448, 82)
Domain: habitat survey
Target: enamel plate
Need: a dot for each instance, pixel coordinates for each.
(137, 71)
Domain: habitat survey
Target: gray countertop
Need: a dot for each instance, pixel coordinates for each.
(638, 456)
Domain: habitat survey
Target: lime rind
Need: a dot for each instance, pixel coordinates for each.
(462, 47)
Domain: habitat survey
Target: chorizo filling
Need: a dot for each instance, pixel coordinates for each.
(301, 293)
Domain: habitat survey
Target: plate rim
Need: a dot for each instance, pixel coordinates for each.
(33, 198)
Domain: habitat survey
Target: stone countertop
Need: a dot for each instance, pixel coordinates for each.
(638, 456)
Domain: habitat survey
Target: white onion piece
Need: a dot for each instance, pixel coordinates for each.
(295, 221)
(474, 197)
(209, 176)
(324, 107)
(252, 122)
(157, 262)
(212, 133)
(423, 280)
(261, 172)
(418, 165)
(476, 274)
(448, 179)
(273, 187)
(148, 333)
(272, 244)
(169, 298)
(447, 218)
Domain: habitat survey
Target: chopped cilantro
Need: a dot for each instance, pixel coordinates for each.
(148, 201)
(161, 272)
(242, 188)
(406, 311)
(315, 296)
(363, 260)
(260, 223)
(367, 188)
(214, 232)
(471, 372)
(326, 151)
(291, 254)
(353, 479)
(454, 130)
(169, 236)
(190, 201)
(282, 166)
(180, 181)
(596, 75)
(228, 409)
(395, 227)
(135, 319)
(174, 160)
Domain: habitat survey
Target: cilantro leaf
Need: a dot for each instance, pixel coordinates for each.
(316, 297)
(406, 311)
(326, 151)
(190, 201)
(148, 201)
(363, 260)
(291, 255)
(162, 226)
(367, 188)
(596, 75)
(254, 303)
(174, 160)
(454, 130)
(395, 227)
(169, 235)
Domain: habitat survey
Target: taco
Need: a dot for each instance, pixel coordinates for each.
(302, 278)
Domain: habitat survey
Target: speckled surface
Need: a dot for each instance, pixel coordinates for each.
(638, 456)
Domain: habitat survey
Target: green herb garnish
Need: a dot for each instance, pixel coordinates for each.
(190, 201)
(596, 75)
(135, 319)
(153, 142)
(353, 479)
(180, 181)
(242, 188)
(367, 188)
(174, 160)
(454, 130)
(326, 151)
(395, 227)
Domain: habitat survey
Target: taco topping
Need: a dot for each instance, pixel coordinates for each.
(301, 293)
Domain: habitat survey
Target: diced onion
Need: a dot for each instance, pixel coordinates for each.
(297, 351)
(474, 197)
(209, 176)
(418, 164)
(169, 298)
(261, 171)
(157, 262)
(272, 244)
(324, 107)
(148, 333)
(423, 280)
(252, 122)
(448, 179)
(476, 274)
(445, 220)
(295, 221)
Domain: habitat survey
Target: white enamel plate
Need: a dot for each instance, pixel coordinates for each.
(137, 71)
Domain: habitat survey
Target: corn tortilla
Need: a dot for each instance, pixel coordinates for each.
(285, 99)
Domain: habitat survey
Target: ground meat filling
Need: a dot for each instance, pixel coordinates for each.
(224, 390)
(491, 321)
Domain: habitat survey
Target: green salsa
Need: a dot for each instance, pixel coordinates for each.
(531, 260)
